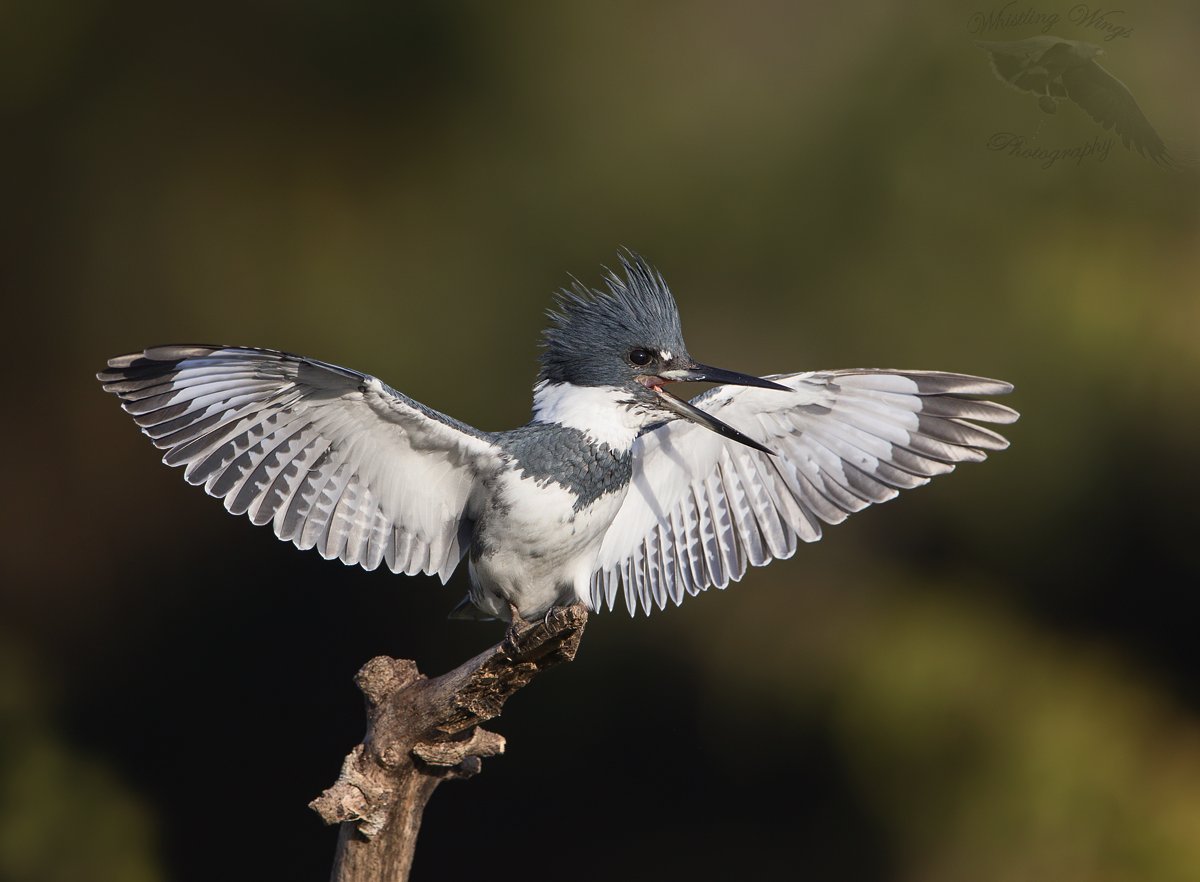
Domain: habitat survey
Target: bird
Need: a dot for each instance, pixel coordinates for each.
(615, 488)
(1054, 68)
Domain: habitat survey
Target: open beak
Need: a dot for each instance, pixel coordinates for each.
(703, 373)
(707, 374)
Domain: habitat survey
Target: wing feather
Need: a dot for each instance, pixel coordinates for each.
(639, 578)
(726, 539)
(682, 557)
(743, 513)
(376, 541)
(295, 477)
(256, 495)
(701, 509)
(333, 459)
(654, 585)
(711, 552)
(693, 544)
(766, 505)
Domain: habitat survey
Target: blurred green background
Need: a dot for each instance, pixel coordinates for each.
(993, 678)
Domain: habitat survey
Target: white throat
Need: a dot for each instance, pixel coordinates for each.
(597, 411)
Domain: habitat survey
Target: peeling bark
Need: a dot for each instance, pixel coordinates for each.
(421, 732)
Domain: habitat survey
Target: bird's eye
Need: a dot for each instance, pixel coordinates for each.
(640, 357)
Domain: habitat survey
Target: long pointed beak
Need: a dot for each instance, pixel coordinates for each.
(708, 374)
(690, 412)
(703, 373)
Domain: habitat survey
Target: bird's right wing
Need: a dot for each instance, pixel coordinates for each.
(334, 459)
(1112, 105)
(700, 508)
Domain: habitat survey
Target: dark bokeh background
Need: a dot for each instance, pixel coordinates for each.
(994, 678)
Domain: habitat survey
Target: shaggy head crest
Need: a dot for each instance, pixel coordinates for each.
(592, 332)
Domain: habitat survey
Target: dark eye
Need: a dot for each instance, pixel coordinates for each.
(640, 356)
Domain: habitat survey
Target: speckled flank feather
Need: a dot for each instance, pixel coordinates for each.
(549, 453)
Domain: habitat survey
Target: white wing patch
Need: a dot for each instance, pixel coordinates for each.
(332, 459)
(701, 508)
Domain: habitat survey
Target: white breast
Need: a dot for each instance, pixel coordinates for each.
(600, 412)
(537, 551)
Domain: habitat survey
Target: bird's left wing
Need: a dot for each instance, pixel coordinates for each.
(701, 508)
(332, 458)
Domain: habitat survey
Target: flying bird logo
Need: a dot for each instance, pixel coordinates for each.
(1053, 69)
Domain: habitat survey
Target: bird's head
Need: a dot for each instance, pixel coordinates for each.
(629, 338)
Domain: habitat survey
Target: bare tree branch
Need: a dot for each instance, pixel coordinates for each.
(421, 732)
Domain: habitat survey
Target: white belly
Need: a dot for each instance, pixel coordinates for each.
(533, 549)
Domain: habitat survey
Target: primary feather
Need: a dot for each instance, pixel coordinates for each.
(331, 458)
(700, 509)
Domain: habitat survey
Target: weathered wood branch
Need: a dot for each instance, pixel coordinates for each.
(421, 732)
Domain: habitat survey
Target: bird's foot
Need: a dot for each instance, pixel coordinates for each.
(517, 625)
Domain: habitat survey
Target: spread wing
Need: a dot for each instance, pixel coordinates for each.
(331, 458)
(701, 508)
(1112, 105)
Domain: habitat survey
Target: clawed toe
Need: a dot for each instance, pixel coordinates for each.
(517, 625)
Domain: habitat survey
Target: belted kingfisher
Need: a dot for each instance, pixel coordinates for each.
(615, 482)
